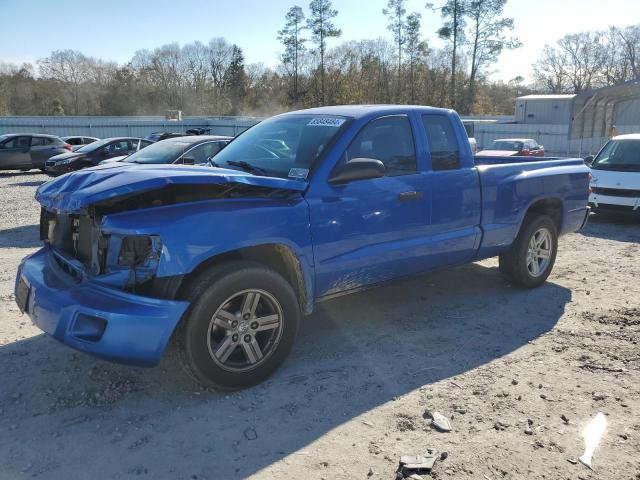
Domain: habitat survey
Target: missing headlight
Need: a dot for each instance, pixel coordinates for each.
(135, 250)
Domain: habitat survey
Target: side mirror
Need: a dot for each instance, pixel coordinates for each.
(188, 160)
(588, 160)
(358, 169)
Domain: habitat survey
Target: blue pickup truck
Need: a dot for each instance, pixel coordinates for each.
(303, 207)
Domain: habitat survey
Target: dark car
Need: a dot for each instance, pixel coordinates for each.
(77, 141)
(189, 150)
(94, 153)
(157, 136)
(26, 151)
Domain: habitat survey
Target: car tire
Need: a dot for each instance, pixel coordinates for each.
(224, 345)
(530, 259)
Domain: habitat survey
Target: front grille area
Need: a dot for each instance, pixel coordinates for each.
(616, 192)
(70, 234)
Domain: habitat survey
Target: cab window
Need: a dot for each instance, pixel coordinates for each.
(388, 139)
(443, 144)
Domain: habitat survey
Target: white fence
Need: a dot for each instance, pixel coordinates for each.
(554, 137)
(104, 127)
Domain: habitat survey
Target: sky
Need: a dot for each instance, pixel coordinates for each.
(116, 29)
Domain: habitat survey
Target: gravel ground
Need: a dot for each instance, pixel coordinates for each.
(518, 373)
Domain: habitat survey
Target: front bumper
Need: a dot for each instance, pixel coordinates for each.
(616, 205)
(92, 318)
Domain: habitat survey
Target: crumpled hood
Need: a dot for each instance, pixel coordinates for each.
(75, 191)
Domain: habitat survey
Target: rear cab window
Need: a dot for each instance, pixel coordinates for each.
(443, 144)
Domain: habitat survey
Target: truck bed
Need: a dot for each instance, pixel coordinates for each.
(511, 185)
(499, 160)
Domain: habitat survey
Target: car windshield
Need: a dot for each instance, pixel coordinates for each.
(619, 155)
(166, 151)
(507, 145)
(286, 146)
(93, 146)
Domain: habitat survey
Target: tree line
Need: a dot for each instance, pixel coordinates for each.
(214, 79)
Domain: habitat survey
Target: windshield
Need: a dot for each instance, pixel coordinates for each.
(619, 155)
(161, 152)
(507, 145)
(286, 146)
(93, 146)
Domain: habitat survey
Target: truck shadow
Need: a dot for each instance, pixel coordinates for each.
(25, 236)
(612, 227)
(353, 355)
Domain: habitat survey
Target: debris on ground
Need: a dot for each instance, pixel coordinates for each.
(437, 421)
(413, 466)
(592, 434)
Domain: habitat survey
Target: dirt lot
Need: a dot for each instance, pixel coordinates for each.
(503, 364)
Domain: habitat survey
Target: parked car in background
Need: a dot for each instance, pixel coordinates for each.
(304, 206)
(94, 153)
(198, 131)
(615, 171)
(191, 150)
(157, 136)
(77, 141)
(512, 147)
(27, 151)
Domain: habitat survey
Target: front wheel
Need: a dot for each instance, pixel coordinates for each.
(241, 325)
(531, 257)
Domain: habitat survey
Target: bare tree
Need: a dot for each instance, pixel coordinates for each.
(321, 26)
(574, 65)
(550, 71)
(631, 43)
(69, 67)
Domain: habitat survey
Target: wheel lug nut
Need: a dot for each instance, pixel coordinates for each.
(234, 324)
(246, 316)
(234, 338)
(254, 325)
(247, 338)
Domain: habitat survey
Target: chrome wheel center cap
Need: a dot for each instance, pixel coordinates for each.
(243, 327)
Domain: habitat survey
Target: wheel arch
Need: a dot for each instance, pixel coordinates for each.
(279, 257)
(550, 206)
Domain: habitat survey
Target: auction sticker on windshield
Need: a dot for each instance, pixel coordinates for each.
(299, 173)
(326, 122)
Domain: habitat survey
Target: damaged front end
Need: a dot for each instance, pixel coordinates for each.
(75, 209)
(83, 250)
(98, 284)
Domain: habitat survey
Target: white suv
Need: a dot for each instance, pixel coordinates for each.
(616, 176)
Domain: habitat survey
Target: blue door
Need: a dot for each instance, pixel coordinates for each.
(454, 186)
(369, 231)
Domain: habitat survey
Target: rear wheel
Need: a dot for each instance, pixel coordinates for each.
(529, 261)
(241, 325)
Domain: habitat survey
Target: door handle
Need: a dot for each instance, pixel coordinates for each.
(410, 195)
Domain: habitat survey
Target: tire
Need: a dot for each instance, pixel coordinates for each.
(242, 346)
(527, 268)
